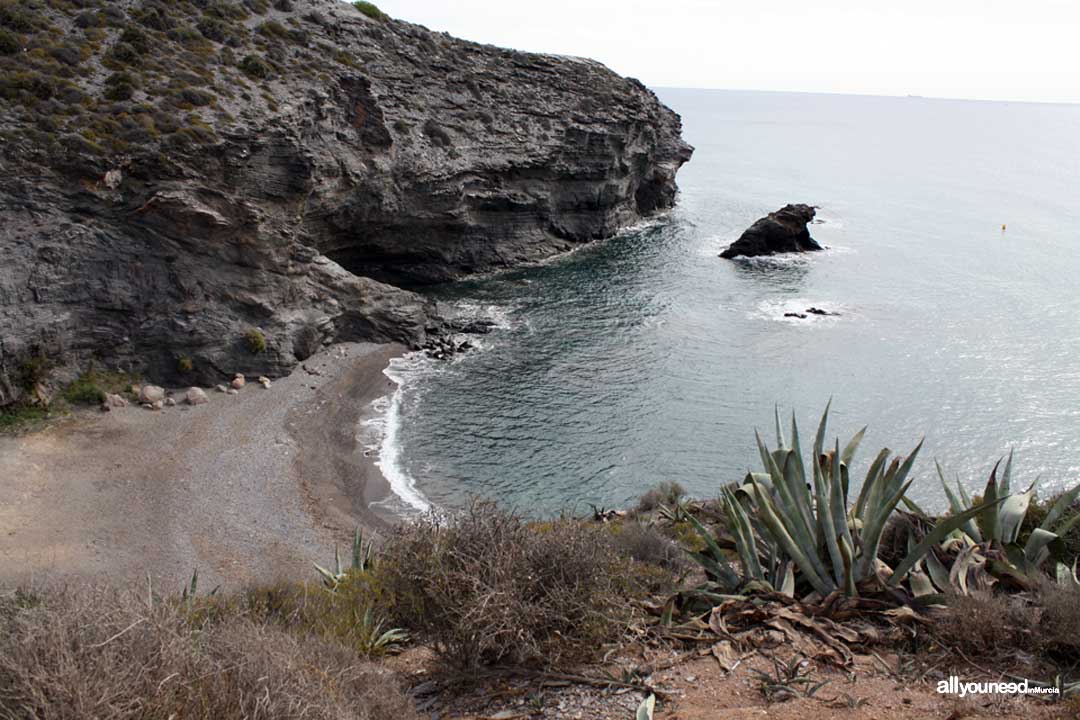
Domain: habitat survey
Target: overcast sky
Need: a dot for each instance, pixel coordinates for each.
(986, 49)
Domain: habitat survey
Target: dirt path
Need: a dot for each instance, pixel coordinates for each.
(247, 487)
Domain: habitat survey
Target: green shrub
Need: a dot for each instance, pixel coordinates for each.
(26, 85)
(9, 43)
(184, 364)
(18, 417)
(272, 28)
(255, 341)
(16, 20)
(34, 371)
(371, 10)
(254, 66)
(487, 587)
(196, 97)
(136, 38)
(84, 391)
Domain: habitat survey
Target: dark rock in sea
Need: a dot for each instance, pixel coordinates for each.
(301, 171)
(783, 231)
(795, 315)
(819, 311)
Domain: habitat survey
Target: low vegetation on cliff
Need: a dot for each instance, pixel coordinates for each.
(776, 568)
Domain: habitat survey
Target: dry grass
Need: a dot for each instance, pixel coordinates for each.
(489, 588)
(98, 653)
(1044, 623)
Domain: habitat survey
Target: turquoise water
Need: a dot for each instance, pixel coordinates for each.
(648, 358)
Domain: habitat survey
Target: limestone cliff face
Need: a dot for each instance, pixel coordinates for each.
(176, 174)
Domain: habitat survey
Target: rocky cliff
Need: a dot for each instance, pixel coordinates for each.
(177, 177)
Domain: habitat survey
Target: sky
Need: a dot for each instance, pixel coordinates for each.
(973, 49)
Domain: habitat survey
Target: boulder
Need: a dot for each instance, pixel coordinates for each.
(151, 394)
(783, 231)
(238, 381)
(265, 382)
(196, 396)
(113, 401)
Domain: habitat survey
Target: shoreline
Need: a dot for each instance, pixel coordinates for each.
(246, 488)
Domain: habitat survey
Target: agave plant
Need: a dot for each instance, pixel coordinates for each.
(363, 559)
(986, 548)
(371, 638)
(788, 530)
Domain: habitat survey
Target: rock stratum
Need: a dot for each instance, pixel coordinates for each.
(783, 231)
(179, 176)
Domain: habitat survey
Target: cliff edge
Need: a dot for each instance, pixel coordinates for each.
(178, 176)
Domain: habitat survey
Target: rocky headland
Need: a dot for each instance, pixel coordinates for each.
(783, 231)
(199, 188)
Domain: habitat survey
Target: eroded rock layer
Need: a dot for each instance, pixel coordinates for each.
(177, 175)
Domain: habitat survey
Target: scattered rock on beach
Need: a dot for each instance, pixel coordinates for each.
(170, 402)
(783, 231)
(156, 405)
(238, 381)
(113, 401)
(232, 391)
(222, 388)
(265, 382)
(149, 394)
(196, 396)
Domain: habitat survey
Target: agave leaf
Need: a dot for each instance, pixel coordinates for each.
(787, 581)
(871, 534)
(779, 433)
(646, 708)
(744, 536)
(921, 585)
(357, 549)
(809, 565)
(938, 574)
(1003, 488)
(1011, 514)
(719, 570)
(330, 578)
(959, 504)
(851, 447)
(819, 439)
(873, 476)
(824, 485)
(935, 536)
(1060, 506)
(914, 507)
(988, 519)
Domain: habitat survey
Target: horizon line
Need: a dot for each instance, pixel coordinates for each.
(866, 95)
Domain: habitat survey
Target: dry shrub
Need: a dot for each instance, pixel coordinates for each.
(97, 653)
(487, 587)
(645, 544)
(1059, 625)
(667, 493)
(990, 625)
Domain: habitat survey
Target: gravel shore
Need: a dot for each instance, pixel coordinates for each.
(248, 487)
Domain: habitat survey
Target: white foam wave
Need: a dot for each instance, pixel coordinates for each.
(383, 434)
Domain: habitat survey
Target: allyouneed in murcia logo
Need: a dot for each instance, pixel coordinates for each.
(953, 686)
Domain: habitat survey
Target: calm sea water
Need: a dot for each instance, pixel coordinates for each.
(648, 358)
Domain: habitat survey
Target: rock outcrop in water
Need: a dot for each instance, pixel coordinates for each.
(176, 175)
(783, 231)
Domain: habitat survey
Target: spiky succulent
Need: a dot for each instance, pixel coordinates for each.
(789, 531)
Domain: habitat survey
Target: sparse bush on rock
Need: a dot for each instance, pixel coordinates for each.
(487, 587)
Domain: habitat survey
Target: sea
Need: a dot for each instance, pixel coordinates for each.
(952, 268)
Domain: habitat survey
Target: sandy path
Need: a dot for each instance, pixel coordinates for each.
(247, 487)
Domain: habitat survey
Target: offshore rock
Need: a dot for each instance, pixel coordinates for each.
(300, 168)
(783, 231)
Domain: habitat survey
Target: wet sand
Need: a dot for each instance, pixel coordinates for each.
(248, 487)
